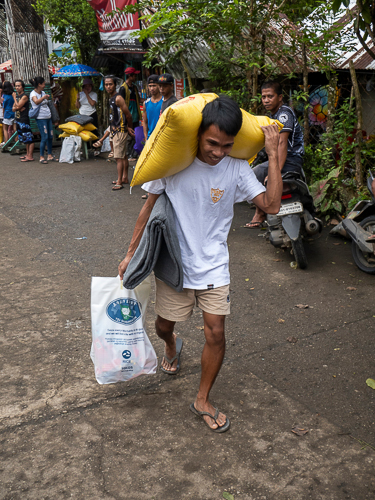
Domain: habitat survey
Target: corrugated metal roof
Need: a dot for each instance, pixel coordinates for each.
(279, 31)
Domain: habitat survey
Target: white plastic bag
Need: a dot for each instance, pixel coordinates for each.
(71, 149)
(120, 347)
(67, 150)
(106, 147)
(77, 147)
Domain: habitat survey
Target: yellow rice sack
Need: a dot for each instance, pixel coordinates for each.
(72, 128)
(64, 134)
(89, 126)
(87, 135)
(173, 144)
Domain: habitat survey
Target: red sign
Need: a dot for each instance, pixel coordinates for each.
(179, 88)
(117, 26)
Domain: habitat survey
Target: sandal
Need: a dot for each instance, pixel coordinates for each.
(43, 161)
(179, 345)
(117, 187)
(53, 158)
(201, 414)
(254, 225)
(111, 155)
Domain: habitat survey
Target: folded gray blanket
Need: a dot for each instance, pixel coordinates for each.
(158, 250)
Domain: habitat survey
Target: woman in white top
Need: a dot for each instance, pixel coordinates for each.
(44, 118)
(86, 101)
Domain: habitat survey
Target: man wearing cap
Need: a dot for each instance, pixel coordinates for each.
(166, 84)
(152, 106)
(129, 92)
(86, 101)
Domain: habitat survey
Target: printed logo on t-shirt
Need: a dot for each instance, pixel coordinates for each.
(283, 118)
(216, 194)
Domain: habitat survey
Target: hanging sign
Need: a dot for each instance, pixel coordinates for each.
(179, 88)
(116, 29)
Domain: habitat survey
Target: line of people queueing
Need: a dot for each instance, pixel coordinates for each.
(16, 106)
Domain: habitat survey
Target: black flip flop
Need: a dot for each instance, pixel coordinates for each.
(179, 345)
(117, 187)
(201, 414)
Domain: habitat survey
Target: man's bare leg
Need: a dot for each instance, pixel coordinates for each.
(120, 170)
(164, 330)
(125, 179)
(212, 359)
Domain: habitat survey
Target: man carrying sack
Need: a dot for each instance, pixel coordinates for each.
(202, 196)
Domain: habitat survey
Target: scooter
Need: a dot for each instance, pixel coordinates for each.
(360, 226)
(295, 219)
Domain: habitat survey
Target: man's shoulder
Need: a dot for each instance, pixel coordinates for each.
(285, 115)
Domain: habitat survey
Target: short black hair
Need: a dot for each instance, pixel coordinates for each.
(21, 82)
(8, 88)
(224, 113)
(111, 77)
(272, 84)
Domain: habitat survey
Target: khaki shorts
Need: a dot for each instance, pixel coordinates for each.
(119, 145)
(178, 306)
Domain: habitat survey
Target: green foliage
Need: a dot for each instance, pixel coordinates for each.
(330, 165)
(72, 22)
(64, 60)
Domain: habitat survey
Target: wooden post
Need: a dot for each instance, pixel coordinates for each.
(305, 72)
(331, 101)
(358, 107)
(27, 42)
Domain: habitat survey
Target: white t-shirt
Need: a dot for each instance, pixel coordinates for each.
(44, 111)
(86, 108)
(203, 197)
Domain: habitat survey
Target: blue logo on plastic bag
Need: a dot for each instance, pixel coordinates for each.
(126, 354)
(124, 311)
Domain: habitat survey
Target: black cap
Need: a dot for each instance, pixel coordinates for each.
(153, 79)
(165, 78)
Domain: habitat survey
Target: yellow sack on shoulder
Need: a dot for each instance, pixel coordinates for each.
(173, 144)
(89, 126)
(87, 136)
(71, 128)
(64, 134)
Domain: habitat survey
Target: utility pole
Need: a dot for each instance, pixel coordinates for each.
(27, 41)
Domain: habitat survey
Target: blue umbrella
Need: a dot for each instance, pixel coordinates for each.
(76, 70)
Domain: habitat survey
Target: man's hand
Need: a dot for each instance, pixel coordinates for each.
(131, 132)
(123, 266)
(271, 139)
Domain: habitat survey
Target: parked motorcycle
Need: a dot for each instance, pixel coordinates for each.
(360, 225)
(295, 219)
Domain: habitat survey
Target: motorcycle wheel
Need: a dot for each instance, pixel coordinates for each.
(362, 260)
(299, 253)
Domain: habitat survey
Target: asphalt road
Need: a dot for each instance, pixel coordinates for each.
(63, 435)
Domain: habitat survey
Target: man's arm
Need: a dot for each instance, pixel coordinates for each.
(145, 122)
(283, 148)
(122, 105)
(270, 200)
(140, 225)
(19, 105)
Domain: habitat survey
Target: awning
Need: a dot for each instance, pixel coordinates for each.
(7, 66)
